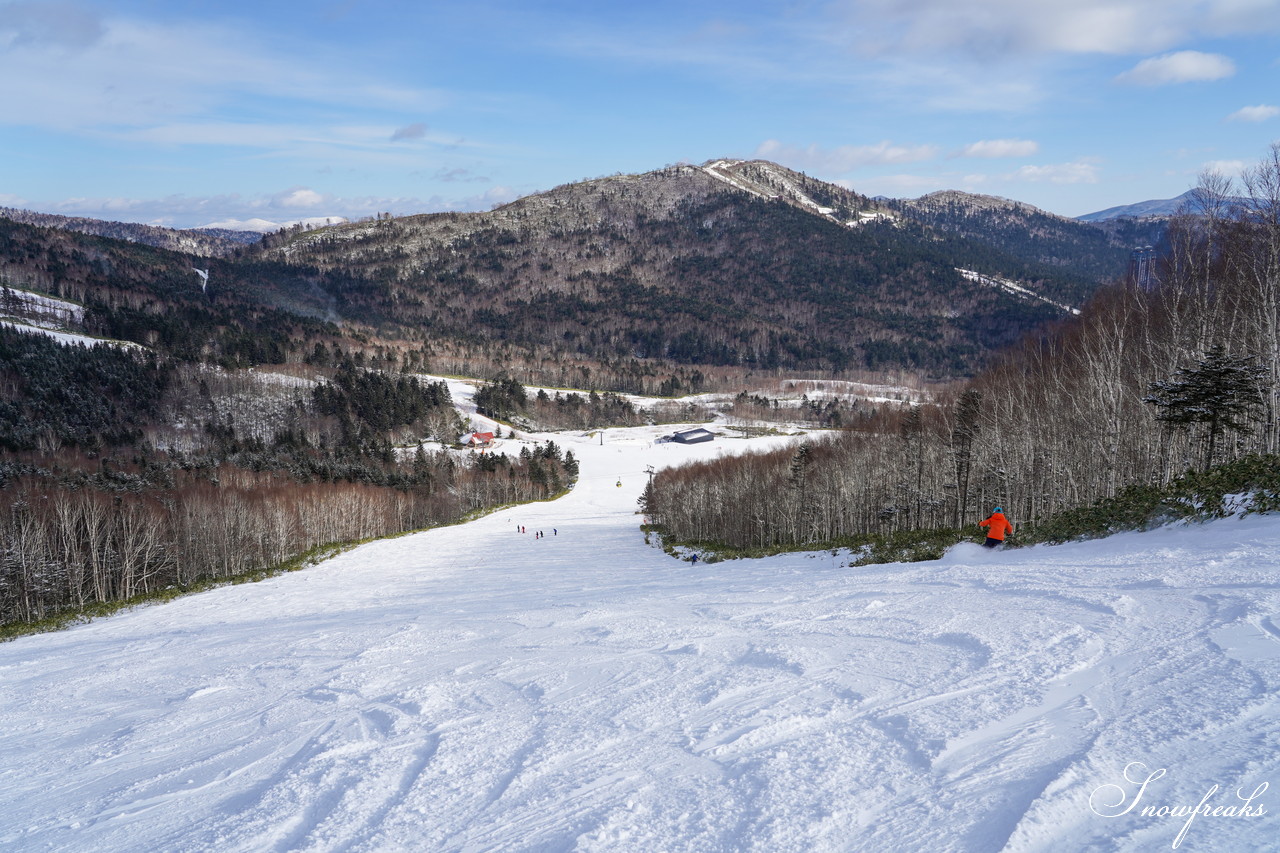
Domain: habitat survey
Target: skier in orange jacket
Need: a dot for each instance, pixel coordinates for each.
(999, 527)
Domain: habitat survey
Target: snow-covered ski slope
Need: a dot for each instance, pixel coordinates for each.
(478, 689)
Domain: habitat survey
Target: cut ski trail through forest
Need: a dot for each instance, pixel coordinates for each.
(473, 688)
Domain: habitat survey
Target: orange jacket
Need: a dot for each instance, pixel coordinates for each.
(1000, 526)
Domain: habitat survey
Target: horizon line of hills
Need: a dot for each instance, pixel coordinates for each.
(227, 236)
(621, 282)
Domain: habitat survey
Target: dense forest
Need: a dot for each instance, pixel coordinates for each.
(74, 538)
(1145, 385)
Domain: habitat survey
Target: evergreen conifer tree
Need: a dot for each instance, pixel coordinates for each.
(1221, 391)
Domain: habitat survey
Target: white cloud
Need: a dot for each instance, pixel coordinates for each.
(894, 186)
(8, 200)
(950, 85)
(1261, 112)
(1184, 66)
(843, 158)
(417, 130)
(61, 25)
(492, 197)
(262, 135)
(298, 198)
(996, 148)
(1079, 172)
(997, 28)
(1226, 168)
(114, 73)
(352, 145)
(447, 175)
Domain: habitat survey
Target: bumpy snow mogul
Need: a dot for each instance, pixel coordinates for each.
(463, 689)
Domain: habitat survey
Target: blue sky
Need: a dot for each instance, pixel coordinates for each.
(185, 113)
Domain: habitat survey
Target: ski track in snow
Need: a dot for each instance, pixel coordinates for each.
(475, 689)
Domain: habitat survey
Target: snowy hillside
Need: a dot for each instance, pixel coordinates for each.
(476, 688)
(37, 313)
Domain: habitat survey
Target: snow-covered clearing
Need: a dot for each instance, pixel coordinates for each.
(67, 338)
(39, 305)
(475, 688)
(723, 170)
(25, 311)
(1012, 287)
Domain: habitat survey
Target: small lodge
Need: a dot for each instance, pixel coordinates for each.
(697, 435)
(476, 439)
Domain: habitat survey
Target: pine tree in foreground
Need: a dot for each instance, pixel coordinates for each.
(1221, 391)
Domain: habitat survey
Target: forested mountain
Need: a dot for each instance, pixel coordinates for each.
(204, 242)
(1076, 255)
(731, 263)
(628, 280)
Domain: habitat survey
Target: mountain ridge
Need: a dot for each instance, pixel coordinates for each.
(740, 262)
(735, 263)
(204, 242)
(1152, 208)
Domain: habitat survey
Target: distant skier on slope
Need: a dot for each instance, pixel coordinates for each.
(998, 528)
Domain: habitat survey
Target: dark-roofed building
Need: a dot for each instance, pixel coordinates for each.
(693, 436)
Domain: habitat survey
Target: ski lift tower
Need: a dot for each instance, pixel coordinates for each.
(1142, 267)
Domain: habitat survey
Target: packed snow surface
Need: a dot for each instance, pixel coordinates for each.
(477, 688)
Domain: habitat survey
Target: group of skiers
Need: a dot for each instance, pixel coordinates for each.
(537, 534)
